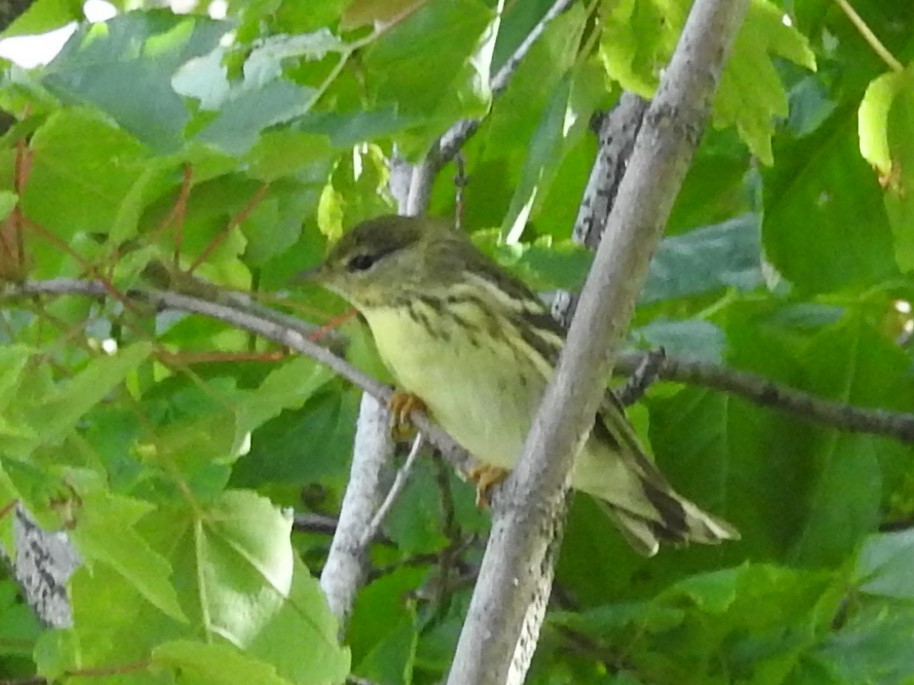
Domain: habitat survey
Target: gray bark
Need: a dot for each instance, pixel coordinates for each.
(495, 642)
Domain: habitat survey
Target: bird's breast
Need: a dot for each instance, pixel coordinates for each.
(478, 384)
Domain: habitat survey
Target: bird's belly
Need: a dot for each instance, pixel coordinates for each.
(472, 383)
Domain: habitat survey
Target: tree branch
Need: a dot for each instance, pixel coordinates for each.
(346, 567)
(289, 337)
(767, 393)
(452, 140)
(753, 387)
(314, 523)
(643, 374)
(43, 564)
(617, 133)
(396, 489)
(494, 643)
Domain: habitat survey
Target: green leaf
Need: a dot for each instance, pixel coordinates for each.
(706, 259)
(111, 620)
(90, 177)
(692, 338)
(241, 586)
(358, 190)
(44, 15)
(416, 522)
(759, 620)
(8, 201)
(251, 110)
(883, 568)
(287, 387)
(282, 153)
(533, 125)
(541, 163)
(379, 606)
(151, 183)
(873, 119)
(199, 663)
(124, 67)
(274, 228)
(841, 512)
(392, 660)
(195, 426)
(242, 544)
(59, 411)
(19, 627)
(13, 361)
(750, 95)
(264, 63)
(451, 41)
(55, 651)
(105, 533)
(822, 199)
(873, 648)
(639, 37)
(312, 444)
(253, 594)
(544, 265)
(637, 40)
(835, 365)
(898, 179)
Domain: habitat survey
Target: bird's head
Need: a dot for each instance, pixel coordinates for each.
(387, 259)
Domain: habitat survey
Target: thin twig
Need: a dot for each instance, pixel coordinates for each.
(314, 523)
(280, 333)
(395, 491)
(768, 393)
(871, 38)
(460, 184)
(233, 223)
(281, 329)
(647, 371)
(457, 135)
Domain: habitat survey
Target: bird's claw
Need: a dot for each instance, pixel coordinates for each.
(401, 405)
(484, 476)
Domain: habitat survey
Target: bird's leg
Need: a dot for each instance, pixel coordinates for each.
(484, 476)
(401, 404)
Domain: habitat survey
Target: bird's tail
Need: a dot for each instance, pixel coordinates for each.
(684, 523)
(637, 496)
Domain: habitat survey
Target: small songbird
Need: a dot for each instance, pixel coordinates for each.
(477, 347)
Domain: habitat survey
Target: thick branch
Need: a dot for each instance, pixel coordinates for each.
(364, 503)
(526, 518)
(346, 567)
(617, 133)
(43, 564)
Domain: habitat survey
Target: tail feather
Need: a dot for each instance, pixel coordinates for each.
(638, 498)
(645, 535)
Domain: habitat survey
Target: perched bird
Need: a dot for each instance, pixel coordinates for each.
(477, 347)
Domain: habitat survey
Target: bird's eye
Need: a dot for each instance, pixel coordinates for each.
(361, 262)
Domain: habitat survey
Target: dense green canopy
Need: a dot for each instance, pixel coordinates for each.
(170, 445)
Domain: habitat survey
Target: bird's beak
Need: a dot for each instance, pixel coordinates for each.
(315, 274)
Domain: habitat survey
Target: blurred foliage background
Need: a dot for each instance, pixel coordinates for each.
(234, 141)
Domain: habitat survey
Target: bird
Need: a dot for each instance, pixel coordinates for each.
(470, 343)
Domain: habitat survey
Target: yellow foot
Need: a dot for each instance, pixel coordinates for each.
(484, 477)
(401, 404)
